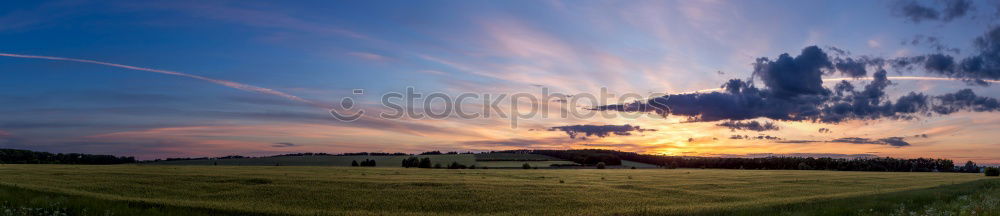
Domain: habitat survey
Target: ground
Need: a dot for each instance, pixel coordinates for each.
(309, 190)
(489, 160)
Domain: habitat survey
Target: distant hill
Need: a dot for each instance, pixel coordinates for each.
(17, 156)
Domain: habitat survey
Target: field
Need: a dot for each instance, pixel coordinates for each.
(519, 164)
(310, 190)
(626, 163)
(513, 157)
(490, 160)
(322, 160)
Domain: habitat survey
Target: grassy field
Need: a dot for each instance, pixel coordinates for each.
(627, 163)
(492, 160)
(513, 157)
(324, 160)
(519, 164)
(310, 190)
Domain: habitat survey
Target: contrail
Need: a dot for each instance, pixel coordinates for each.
(226, 83)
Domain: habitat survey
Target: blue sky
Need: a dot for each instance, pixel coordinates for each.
(321, 50)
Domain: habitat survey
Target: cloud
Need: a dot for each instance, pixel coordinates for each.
(432, 72)
(283, 145)
(932, 42)
(825, 130)
(575, 131)
(613, 145)
(797, 155)
(955, 9)
(892, 141)
(794, 92)
(789, 77)
(981, 67)
(916, 12)
(758, 137)
(965, 100)
(749, 125)
(230, 84)
(368, 56)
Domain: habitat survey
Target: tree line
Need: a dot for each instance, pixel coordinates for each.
(885, 164)
(366, 162)
(17, 156)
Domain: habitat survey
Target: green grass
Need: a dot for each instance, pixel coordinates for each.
(310, 190)
(514, 157)
(518, 164)
(324, 160)
(627, 163)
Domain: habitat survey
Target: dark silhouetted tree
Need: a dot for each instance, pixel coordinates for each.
(425, 163)
(970, 167)
(992, 171)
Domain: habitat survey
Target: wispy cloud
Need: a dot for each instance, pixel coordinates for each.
(368, 56)
(230, 84)
(283, 145)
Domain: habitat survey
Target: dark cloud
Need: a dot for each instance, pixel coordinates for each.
(955, 9)
(932, 42)
(789, 77)
(283, 145)
(916, 12)
(758, 137)
(850, 67)
(800, 141)
(892, 141)
(797, 155)
(794, 92)
(749, 125)
(965, 100)
(982, 65)
(824, 130)
(575, 131)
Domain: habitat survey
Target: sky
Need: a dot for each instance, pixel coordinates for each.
(159, 79)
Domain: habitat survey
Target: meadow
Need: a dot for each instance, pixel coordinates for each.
(485, 160)
(324, 160)
(327, 190)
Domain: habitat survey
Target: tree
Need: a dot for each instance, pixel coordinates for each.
(425, 163)
(804, 166)
(456, 165)
(970, 167)
(673, 165)
(526, 166)
(411, 162)
(600, 165)
(992, 171)
(437, 166)
(354, 163)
